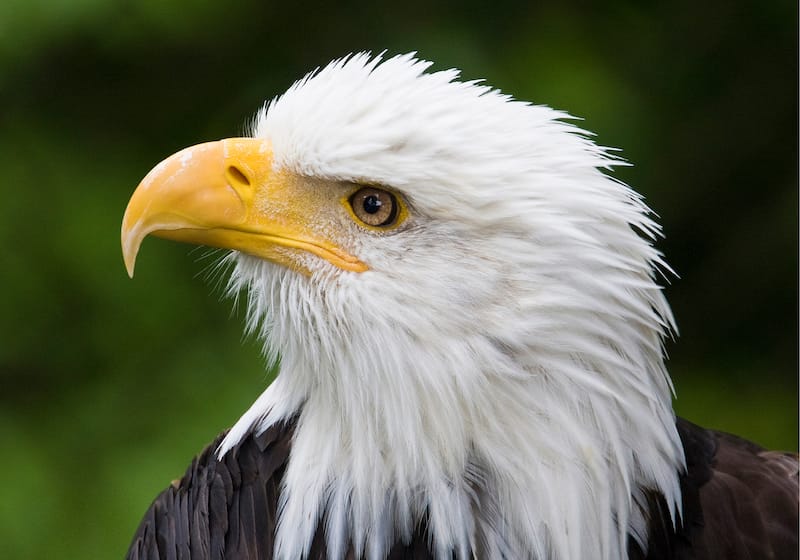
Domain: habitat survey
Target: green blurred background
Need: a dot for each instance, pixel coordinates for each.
(109, 386)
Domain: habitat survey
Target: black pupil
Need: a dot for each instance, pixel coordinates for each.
(372, 204)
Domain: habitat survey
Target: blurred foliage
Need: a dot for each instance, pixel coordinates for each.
(110, 386)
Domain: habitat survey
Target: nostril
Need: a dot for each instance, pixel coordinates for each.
(236, 176)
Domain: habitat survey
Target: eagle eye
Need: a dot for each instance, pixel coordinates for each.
(374, 207)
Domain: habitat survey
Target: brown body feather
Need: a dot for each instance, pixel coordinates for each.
(739, 502)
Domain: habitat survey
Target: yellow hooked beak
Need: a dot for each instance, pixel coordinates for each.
(225, 194)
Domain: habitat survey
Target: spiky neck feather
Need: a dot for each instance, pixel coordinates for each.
(499, 369)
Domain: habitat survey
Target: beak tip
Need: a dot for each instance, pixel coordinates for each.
(130, 263)
(130, 248)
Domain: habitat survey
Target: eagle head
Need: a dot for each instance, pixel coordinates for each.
(465, 305)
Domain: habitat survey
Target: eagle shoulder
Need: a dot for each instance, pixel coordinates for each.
(750, 503)
(740, 501)
(221, 507)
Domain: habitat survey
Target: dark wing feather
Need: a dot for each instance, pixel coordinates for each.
(219, 509)
(739, 502)
(750, 505)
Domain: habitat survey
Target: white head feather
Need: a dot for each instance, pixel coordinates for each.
(499, 368)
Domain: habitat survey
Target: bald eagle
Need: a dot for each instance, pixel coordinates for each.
(465, 310)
